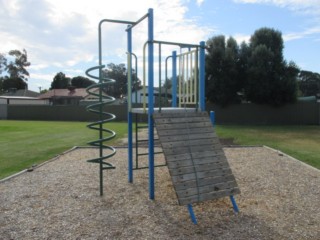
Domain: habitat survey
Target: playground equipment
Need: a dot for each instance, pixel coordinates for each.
(197, 165)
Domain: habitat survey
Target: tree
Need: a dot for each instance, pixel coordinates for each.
(222, 81)
(1, 85)
(167, 83)
(309, 83)
(11, 83)
(17, 67)
(81, 82)
(60, 81)
(3, 63)
(270, 80)
(244, 53)
(119, 74)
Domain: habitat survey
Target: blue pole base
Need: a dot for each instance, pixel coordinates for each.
(192, 215)
(234, 204)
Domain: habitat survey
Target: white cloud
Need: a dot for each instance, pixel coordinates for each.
(241, 38)
(60, 34)
(299, 35)
(301, 6)
(199, 2)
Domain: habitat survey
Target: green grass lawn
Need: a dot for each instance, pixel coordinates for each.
(301, 142)
(24, 143)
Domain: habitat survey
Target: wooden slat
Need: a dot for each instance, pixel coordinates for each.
(185, 136)
(203, 182)
(208, 196)
(206, 189)
(198, 167)
(179, 115)
(182, 125)
(188, 142)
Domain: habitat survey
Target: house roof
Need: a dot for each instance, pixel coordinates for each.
(18, 97)
(21, 93)
(75, 93)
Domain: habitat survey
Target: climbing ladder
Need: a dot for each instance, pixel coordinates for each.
(198, 167)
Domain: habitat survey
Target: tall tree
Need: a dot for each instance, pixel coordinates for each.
(13, 83)
(222, 82)
(81, 82)
(17, 67)
(60, 81)
(15, 70)
(270, 79)
(3, 62)
(309, 83)
(119, 74)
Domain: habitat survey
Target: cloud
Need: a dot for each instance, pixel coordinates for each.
(241, 38)
(299, 35)
(199, 2)
(300, 6)
(62, 35)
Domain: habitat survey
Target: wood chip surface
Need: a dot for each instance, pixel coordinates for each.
(280, 199)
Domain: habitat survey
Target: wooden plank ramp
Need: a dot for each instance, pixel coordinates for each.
(197, 164)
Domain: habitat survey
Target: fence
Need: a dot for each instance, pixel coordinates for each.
(301, 113)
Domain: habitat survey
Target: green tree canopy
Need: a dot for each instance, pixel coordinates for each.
(309, 83)
(60, 81)
(118, 72)
(222, 70)
(17, 67)
(256, 70)
(3, 62)
(13, 67)
(7, 83)
(270, 80)
(81, 82)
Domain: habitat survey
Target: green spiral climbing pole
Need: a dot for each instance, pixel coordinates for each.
(105, 134)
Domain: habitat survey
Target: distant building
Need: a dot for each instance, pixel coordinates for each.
(21, 97)
(71, 96)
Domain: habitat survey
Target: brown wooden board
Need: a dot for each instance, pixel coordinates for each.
(198, 167)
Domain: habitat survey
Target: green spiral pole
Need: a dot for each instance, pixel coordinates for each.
(105, 134)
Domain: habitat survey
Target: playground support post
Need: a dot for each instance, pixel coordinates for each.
(202, 96)
(150, 104)
(130, 158)
(174, 79)
(192, 215)
(233, 201)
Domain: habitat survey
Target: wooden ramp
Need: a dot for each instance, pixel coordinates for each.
(198, 167)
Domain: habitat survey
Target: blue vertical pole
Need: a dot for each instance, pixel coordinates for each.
(212, 117)
(174, 79)
(150, 104)
(202, 96)
(130, 158)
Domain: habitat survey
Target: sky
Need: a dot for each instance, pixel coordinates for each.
(62, 35)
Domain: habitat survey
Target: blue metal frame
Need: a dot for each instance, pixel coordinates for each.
(130, 147)
(192, 215)
(150, 104)
(202, 97)
(174, 79)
